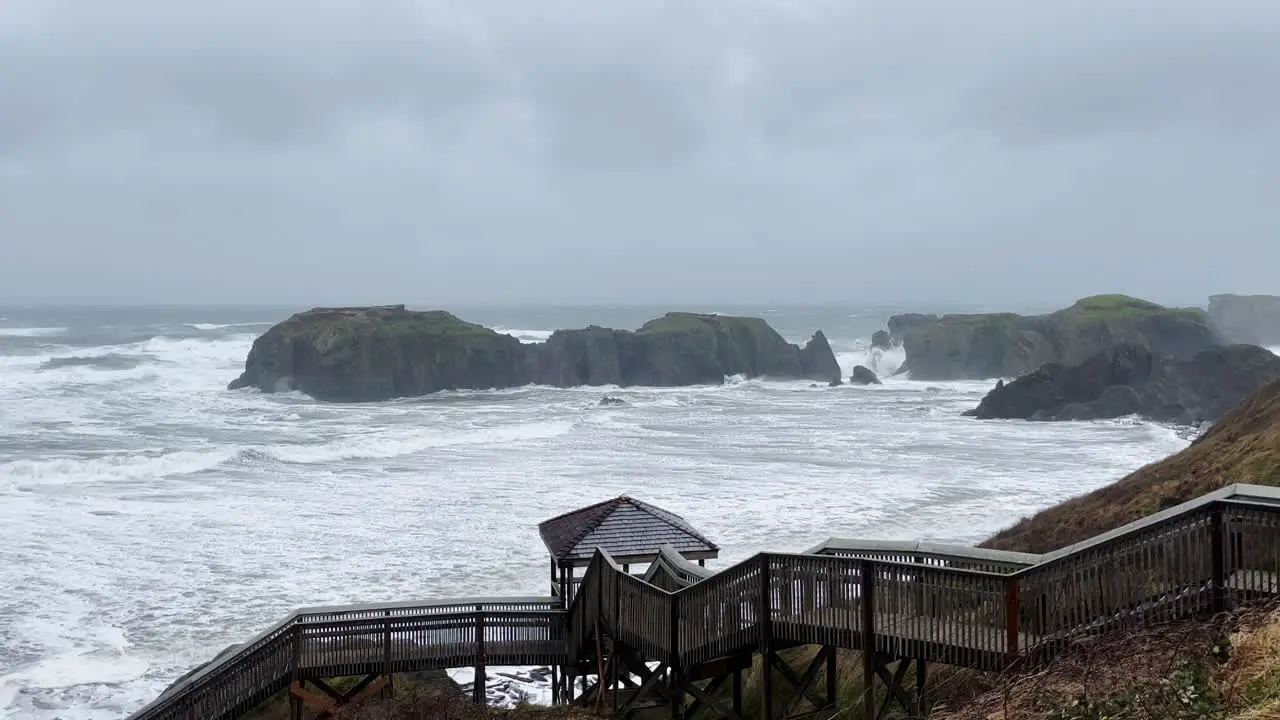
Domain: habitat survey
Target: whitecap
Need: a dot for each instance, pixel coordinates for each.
(32, 332)
(525, 336)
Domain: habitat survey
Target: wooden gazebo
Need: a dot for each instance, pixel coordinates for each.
(630, 530)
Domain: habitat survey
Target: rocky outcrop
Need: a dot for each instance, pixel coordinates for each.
(818, 361)
(1253, 319)
(903, 323)
(378, 353)
(976, 346)
(1129, 379)
(863, 375)
(881, 340)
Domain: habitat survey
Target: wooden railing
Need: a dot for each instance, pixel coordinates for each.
(366, 639)
(944, 604)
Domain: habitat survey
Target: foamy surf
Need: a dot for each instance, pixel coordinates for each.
(188, 517)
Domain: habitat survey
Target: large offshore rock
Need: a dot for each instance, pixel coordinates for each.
(378, 353)
(988, 345)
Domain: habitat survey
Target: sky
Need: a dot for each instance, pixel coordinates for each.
(637, 151)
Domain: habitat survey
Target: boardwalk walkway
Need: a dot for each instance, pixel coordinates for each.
(933, 603)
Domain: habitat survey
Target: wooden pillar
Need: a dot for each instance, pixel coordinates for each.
(737, 692)
(478, 687)
(389, 689)
(831, 677)
(766, 641)
(921, 706)
(1012, 617)
(1218, 560)
(866, 593)
(555, 685)
(673, 660)
(295, 704)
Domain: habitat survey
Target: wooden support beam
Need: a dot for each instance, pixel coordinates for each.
(804, 683)
(766, 641)
(866, 594)
(323, 704)
(705, 696)
(921, 706)
(893, 685)
(737, 692)
(831, 678)
(478, 695)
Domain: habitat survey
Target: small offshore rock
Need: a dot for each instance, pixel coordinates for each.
(611, 401)
(863, 375)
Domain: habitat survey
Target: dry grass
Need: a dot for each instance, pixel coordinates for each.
(1228, 669)
(1244, 447)
(1250, 681)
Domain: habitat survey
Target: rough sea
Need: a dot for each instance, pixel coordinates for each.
(149, 517)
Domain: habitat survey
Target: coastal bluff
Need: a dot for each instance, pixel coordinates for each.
(363, 354)
(991, 345)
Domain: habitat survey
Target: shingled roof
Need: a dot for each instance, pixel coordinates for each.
(625, 528)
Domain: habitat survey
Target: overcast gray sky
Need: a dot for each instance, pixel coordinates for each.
(323, 151)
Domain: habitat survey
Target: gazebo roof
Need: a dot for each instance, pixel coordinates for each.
(626, 528)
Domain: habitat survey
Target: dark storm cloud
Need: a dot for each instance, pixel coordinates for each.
(334, 151)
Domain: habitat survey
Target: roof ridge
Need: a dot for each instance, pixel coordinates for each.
(578, 511)
(612, 505)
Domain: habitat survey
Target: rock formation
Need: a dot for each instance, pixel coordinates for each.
(377, 353)
(881, 340)
(1253, 319)
(1128, 379)
(954, 347)
(863, 375)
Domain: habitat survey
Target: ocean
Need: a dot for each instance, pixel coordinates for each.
(149, 517)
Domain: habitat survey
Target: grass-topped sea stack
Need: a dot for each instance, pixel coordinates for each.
(987, 345)
(378, 353)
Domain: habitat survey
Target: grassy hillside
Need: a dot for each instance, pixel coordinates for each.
(1244, 447)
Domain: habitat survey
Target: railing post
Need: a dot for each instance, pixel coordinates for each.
(477, 688)
(1012, 620)
(673, 659)
(295, 673)
(1218, 560)
(866, 593)
(386, 655)
(766, 641)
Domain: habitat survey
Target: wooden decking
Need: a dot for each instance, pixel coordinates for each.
(929, 603)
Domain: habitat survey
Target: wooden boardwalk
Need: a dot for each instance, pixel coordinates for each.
(929, 603)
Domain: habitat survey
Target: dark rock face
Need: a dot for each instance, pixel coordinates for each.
(818, 362)
(863, 375)
(953, 347)
(1253, 319)
(364, 354)
(1129, 379)
(881, 340)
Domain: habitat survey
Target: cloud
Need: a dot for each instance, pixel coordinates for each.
(637, 150)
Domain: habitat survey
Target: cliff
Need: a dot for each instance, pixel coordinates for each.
(988, 345)
(1253, 319)
(378, 353)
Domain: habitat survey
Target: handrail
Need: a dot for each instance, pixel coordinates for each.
(680, 570)
(924, 550)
